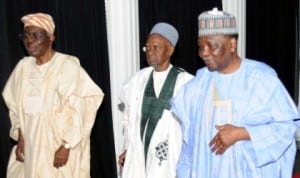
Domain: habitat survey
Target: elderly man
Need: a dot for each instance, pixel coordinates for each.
(154, 137)
(52, 105)
(236, 115)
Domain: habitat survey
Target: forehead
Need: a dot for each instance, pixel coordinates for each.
(156, 38)
(33, 29)
(212, 38)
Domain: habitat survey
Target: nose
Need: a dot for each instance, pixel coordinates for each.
(30, 38)
(204, 51)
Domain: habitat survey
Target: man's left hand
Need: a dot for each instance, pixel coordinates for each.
(61, 157)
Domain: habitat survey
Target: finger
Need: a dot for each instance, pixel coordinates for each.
(221, 149)
(57, 163)
(120, 162)
(214, 149)
(214, 140)
(20, 156)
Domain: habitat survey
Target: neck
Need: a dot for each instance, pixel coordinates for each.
(45, 58)
(161, 68)
(234, 66)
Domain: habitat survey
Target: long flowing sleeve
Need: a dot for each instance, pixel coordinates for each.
(272, 127)
(80, 100)
(180, 110)
(10, 94)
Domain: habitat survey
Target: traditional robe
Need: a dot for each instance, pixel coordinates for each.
(165, 143)
(252, 97)
(50, 104)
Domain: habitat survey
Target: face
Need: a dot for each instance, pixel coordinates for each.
(218, 52)
(36, 41)
(158, 52)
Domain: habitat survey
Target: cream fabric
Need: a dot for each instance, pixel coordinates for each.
(167, 130)
(41, 20)
(51, 103)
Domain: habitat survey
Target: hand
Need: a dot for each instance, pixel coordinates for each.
(121, 160)
(61, 156)
(20, 148)
(20, 151)
(228, 134)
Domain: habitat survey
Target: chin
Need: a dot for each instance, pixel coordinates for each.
(151, 63)
(211, 69)
(31, 53)
(154, 65)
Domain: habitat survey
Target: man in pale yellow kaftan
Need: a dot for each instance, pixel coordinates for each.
(52, 105)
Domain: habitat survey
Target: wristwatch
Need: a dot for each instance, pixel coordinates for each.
(66, 145)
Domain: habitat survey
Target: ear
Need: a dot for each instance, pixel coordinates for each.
(170, 50)
(52, 37)
(233, 45)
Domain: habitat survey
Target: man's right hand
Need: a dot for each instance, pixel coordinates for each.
(121, 160)
(20, 148)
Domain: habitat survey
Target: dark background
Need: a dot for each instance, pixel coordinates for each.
(272, 33)
(80, 31)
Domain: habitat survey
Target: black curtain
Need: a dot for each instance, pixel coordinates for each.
(272, 33)
(184, 16)
(5, 66)
(272, 36)
(80, 31)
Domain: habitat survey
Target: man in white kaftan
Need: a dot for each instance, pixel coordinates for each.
(236, 115)
(52, 105)
(158, 156)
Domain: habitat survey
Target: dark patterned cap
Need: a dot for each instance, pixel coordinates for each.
(216, 22)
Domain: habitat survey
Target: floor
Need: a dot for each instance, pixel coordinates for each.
(297, 160)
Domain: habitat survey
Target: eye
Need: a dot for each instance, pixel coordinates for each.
(200, 48)
(213, 46)
(156, 47)
(23, 36)
(35, 36)
(38, 35)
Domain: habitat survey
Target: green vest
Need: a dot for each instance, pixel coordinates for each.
(153, 107)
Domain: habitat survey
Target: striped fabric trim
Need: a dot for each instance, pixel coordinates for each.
(40, 20)
(216, 23)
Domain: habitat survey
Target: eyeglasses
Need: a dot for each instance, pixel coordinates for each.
(155, 48)
(35, 36)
